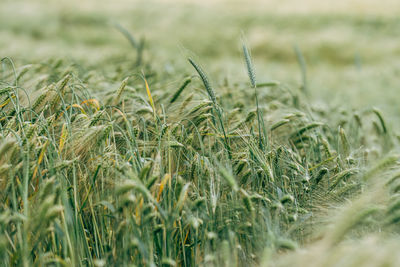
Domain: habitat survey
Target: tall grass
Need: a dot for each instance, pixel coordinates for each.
(111, 171)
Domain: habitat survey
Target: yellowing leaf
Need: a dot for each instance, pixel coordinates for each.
(164, 181)
(64, 135)
(93, 102)
(149, 95)
(41, 156)
(77, 106)
(6, 102)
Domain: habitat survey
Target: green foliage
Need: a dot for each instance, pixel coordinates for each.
(98, 168)
(83, 182)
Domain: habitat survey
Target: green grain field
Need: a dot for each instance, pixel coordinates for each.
(200, 133)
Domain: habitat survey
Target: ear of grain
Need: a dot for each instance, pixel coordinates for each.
(250, 68)
(178, 92)
(121, 90)
(303, 68)
(206, 82)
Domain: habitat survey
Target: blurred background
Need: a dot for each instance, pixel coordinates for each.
(351, 47)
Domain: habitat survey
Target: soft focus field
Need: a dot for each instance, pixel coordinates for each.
(276, 145)
(351, 46)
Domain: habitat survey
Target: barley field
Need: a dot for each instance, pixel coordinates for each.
(199, 133)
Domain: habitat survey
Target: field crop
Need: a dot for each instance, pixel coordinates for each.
(134, 157)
